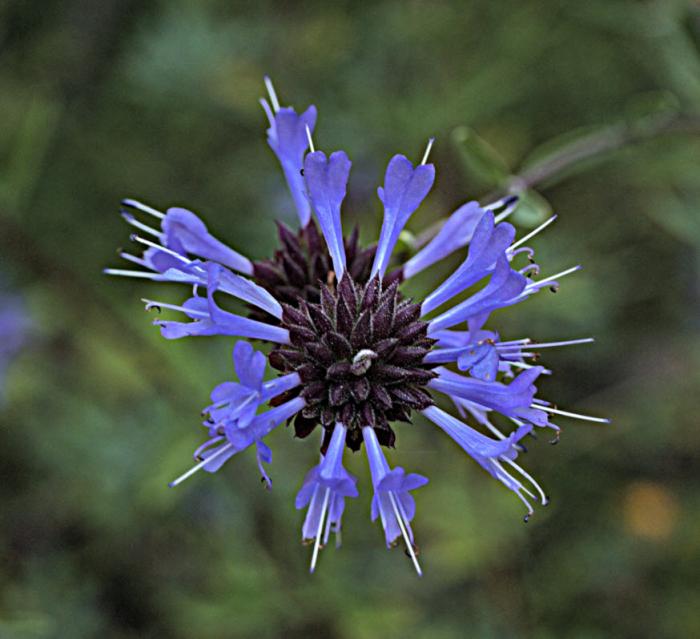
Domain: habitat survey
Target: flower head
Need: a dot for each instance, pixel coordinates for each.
(355, 356)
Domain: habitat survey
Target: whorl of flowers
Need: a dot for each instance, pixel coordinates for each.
(355, 356)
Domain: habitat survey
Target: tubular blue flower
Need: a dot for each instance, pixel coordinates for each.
(454, 234)
(288, 138)
(326, 179)
(491, 454)
(405, 187)
(324, 490)
(483, 354)
(186, 233)
(230, 438)
(504, 289)
(239, 401)
(15, 326)
(513, 400)
(209, 319)
(392, 501)
(355, 356)
(488, 244)
(182, 233)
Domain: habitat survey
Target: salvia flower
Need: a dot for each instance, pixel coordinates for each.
(15, 325)
(354, 355)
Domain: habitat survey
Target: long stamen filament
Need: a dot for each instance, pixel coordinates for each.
(133, 258)
(404, 532)
(532, 233)
(199, 466)
(158, 247)
(427, 150)
(544, 500)
(571, 342)
(317, 543)
(273, 95)
(539, 283)
(158, 277)
(135, 204)
(564, 413)
(308, 137)
(150, 304)
(130, 219)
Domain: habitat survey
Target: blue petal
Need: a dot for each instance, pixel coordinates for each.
(327, 180)
(487, 367)
(288, 139)
(488, 244)
(404, 189)
(220, 322)
(513, 400)
(503, 289)
(249, 365)
(241, 287)
(219, 458)
(186, 233)
(455, 233)
(472, 441)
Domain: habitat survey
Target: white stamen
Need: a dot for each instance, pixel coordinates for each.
(509, 200)
(541, 227)
(199, 466)
(130, 219)
(158, 247)
(142, 207)
(427, 150)
(157, 277)
(530, 269)
(512, 204)
(571, 342)
(568, 271)
(565, 413)
(525, 366)
(308, 137)
(494, 430)
(132, 258)
(173, 307)
(272, 94)
(327, 532)
(513, 342)
(530, 509)
(317, 543)
(404, 532)
(543, 498)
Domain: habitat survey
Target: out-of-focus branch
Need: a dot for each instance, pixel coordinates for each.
(597, 145)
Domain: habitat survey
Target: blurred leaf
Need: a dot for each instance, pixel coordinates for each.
(646, 112)
(480, 160)
(532, 209)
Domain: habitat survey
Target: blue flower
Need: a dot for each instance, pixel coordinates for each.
(354, 355)
(324, 491)
(392, 501)
(15, 325)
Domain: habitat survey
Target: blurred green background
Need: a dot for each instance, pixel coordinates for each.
(595, 104)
